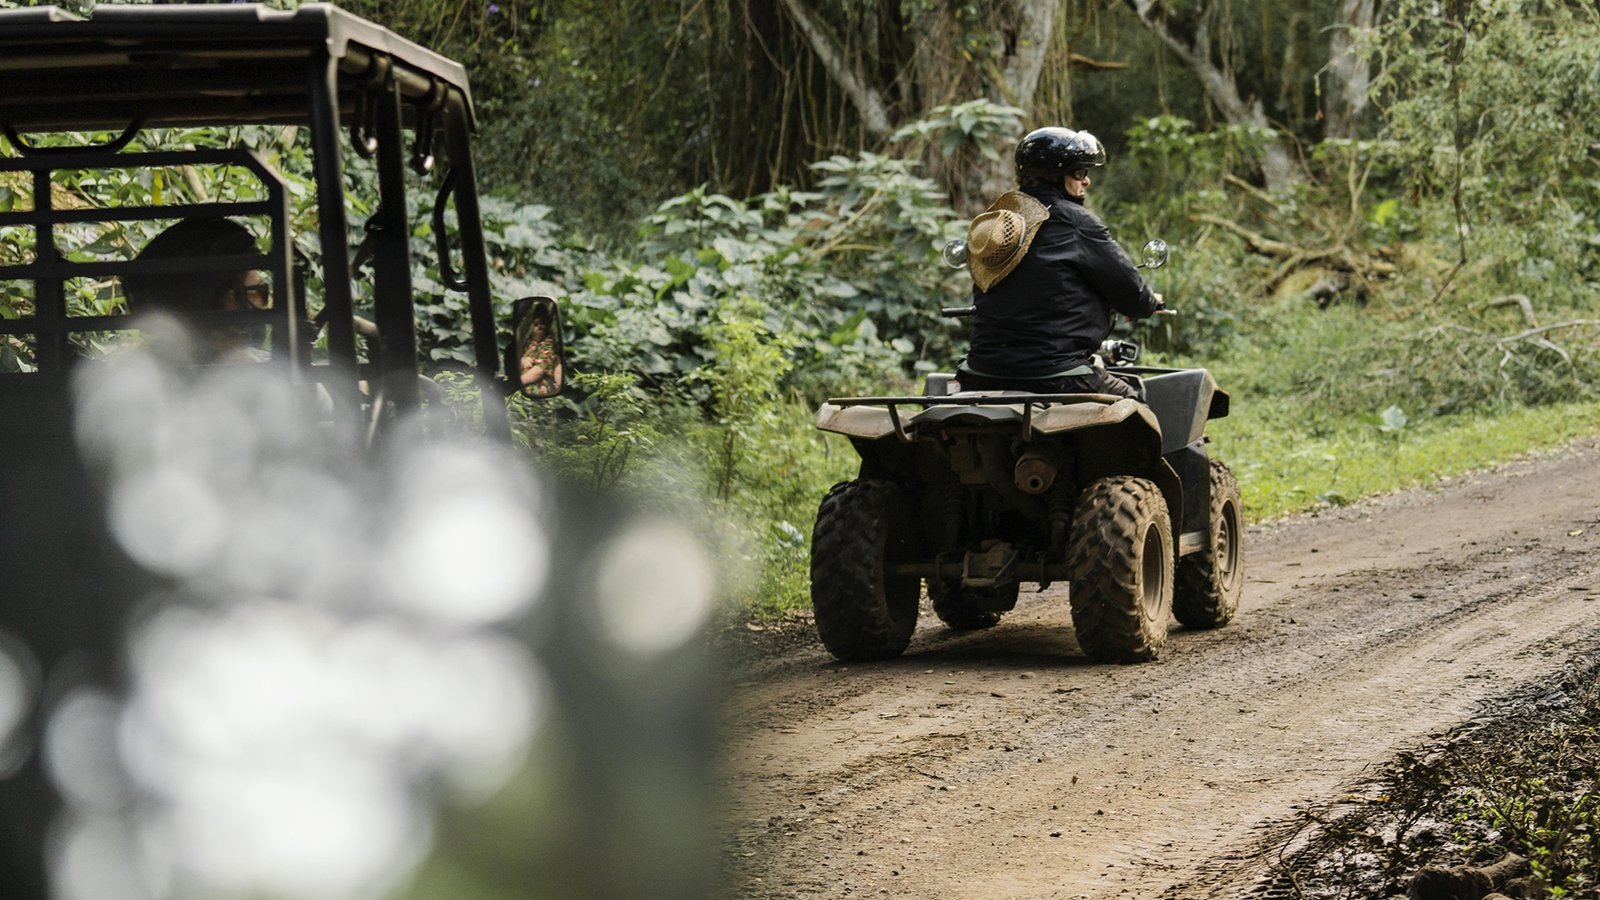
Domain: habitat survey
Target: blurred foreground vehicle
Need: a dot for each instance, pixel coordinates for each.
(269, 620)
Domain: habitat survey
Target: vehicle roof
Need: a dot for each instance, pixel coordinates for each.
(199, 64)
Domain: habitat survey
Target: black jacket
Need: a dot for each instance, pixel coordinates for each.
(1053, 310)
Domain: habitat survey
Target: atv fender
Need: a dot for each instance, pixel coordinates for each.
(1183, 401)
(868, 422)
(1082, 416)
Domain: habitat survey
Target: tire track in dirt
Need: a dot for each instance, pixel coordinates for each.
(1002, 764)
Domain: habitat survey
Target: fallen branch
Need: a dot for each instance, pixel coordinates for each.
(1515, 300)
(1298, 257)
(1079, 61)
(1466, 882)
(1251, 189)
(1538, 338)
(1574, 323)
(1256, 242)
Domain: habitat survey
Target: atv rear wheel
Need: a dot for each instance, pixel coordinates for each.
(1211, 580)
(863, 611)
(965, 609)
(1120, 559)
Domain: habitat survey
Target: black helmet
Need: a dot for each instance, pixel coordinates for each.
(1053, 151)
(196, 291)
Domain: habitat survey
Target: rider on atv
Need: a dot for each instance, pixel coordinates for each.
(1047, 276)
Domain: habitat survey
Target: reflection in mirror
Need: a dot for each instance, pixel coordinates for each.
(536, 360)
(1155, 254)
(955, 254)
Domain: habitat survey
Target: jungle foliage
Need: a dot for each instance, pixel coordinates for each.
(737, 230)
(734, 236)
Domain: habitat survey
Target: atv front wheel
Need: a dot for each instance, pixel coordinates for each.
(1211, 580)
(1120, 559)
(863, 611)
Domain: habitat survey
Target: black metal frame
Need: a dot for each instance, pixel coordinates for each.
(49, 271)
(144, 66)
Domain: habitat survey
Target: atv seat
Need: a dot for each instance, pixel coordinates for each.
(943, 384)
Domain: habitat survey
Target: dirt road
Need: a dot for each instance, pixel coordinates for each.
(1003, 764)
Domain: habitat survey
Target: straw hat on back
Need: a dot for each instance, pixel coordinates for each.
(999, 238)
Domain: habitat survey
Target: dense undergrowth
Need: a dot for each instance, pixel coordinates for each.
(1521, 781)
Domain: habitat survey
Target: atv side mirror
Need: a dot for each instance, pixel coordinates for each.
(955, 254)
(1155, 254)
(536, 361)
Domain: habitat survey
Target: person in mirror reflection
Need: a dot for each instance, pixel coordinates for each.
(205, 291)
(541, 365)
(1047, 277)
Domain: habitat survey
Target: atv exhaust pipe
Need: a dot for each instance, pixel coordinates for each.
(1034, 474)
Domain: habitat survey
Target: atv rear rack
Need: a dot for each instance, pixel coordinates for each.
(990, 398)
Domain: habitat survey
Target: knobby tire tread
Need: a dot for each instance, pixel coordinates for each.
(861, 612)
(1202, 598)
(1106, 569)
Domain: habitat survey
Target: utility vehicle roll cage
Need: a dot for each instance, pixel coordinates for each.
(130, 68)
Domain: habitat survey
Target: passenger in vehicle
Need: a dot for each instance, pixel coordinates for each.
(197, 292)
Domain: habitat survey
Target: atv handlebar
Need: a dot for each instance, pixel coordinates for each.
(961, 312)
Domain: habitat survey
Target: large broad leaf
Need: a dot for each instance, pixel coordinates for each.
(848, 331)
(843, 290)
(654, 364)
(679, 271)
(1394, 419)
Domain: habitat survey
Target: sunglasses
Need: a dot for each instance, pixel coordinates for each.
(1078, 174)
(258, 296)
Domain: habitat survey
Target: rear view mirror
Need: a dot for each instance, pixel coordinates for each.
(1155, 254)
(536, 362)
(954, 254)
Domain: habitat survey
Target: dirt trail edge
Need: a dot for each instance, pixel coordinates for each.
(1004, 764)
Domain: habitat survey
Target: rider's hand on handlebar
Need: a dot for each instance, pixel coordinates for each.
(1161, 306)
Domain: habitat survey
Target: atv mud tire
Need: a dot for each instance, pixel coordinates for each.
(1120, 559)
(1211, 580)
(862, 611)
(963, 608)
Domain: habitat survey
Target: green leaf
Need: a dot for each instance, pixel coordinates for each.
(1394, 419)
(1383, 212)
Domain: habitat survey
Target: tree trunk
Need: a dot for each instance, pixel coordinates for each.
(1188, 37)
(1349, 71)
(1026, 44)
(1022, 31)
(866, 99)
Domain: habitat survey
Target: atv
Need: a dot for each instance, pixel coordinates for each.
(977, 492)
